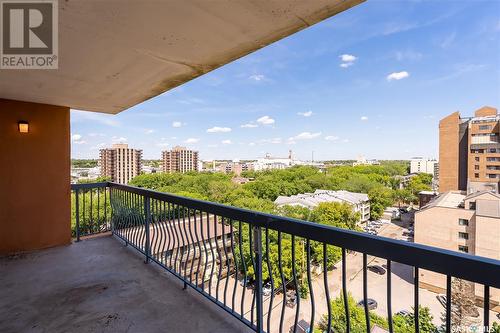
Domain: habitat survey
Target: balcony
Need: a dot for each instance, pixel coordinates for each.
(221, 256)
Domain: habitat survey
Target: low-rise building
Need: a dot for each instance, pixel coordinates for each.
(235, 167)
(361, 160)
(424, 165)
(359, 201)
(459, 222)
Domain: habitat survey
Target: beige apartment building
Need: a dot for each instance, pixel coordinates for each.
(469, 152)
(460, 222)
(179, 159)
(120, 163)
(235, 167)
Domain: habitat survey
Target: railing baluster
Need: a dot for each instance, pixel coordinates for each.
(199, 247)
(297, 296)
(344, 291)
(389, 297)
(365, 293)
(147, 220)
(327, 291)
(270, 270)
(416, 303)
(486, 309)
(217, 248)
(77, 216)
(205, 250)
(448, 303)
(213, 255)
(283, 283)
(309, 283)
(258, 277)
(251, 248)
(244, 266)
(226, 255)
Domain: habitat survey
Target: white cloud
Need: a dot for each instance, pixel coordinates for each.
(305, 114)
(251, 144)
(272, 140)
(98, 146)
(192, 140)
(346, 64)
(257, 77)
(397, 75)
(149, 131)
(249, 125)
(265, 120)
(364, 118)
(226, 142)
(305, 136)
(217, 129)
(77, 139)
(116, 139)
(347, 57)
(345, 140)
(212, 145)
(331, 138)
(96, 134)
(162, 145)
(347, 60)
(176, 124)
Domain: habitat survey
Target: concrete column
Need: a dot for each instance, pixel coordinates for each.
(34, 177)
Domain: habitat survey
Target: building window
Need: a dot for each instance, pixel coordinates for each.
(463, 222)
(476, 175)
(463, 235)
(463, 248)
(477, 159)
(472, 205)
(484, 127)
(476, 167)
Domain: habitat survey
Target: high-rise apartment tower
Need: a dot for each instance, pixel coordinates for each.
(120, 163)
(469, 152)
(179, 159)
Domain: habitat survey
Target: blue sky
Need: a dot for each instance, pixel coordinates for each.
(372, 81)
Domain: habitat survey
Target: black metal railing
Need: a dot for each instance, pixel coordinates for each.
(91, 209)
(256, 266)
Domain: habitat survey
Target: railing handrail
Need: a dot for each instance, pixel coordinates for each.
(461, 265)
(89, 185)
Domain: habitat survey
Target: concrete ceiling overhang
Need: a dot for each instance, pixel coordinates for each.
(116, 54)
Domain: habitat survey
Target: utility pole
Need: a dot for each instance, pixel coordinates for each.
(312, 156)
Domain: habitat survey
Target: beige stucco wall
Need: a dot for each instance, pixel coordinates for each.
(34, 177)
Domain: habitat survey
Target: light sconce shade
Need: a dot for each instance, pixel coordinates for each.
(23, 126)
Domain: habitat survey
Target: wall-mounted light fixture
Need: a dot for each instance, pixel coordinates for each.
(23, 126)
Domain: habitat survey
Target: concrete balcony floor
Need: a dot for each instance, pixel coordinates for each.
(97, 285)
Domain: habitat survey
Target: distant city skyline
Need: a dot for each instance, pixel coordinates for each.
(372, 81)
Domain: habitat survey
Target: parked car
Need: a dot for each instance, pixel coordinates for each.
(302, 327)
(377, 269)
(404, 313)
(245, 281)
(372, 304)
(267, 290)
(442, 299)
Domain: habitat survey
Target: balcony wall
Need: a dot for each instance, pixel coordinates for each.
(35, 176)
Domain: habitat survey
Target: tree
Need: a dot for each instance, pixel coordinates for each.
(380, 198)
(463, 310)
(401, 323)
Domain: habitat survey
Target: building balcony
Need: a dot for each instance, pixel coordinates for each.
(147, 261)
